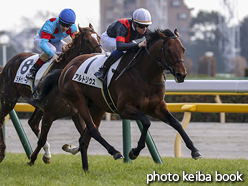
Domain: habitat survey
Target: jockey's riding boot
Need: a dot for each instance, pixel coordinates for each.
(32, 72)
(34, 69)
(101, 73)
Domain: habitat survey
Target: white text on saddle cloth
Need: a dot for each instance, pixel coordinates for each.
(85, 73)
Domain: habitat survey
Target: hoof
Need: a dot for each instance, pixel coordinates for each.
(196, 155)
(131, 155)
(65, 147)
(46, 160)
(30, 163)
(117, 156)
(70, 148)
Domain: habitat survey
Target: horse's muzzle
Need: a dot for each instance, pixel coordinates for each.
(179, 77)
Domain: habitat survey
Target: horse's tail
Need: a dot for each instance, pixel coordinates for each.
(46, 85)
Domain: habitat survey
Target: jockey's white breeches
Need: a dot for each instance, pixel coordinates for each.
(108, 43)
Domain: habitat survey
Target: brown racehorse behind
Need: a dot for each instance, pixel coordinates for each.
(137, 93)
(10, 92)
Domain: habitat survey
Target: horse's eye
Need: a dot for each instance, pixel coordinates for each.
(168, 51)
(87, 41)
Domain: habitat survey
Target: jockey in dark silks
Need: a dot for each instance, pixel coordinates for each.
(49, 39)
(119, 35)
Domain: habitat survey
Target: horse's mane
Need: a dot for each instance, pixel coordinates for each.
(71, 44)
(154, 36)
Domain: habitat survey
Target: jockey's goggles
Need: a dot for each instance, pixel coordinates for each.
(142, 26)
(65, 25)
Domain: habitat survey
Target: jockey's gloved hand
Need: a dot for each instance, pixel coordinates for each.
(139, 40)
(55, 57)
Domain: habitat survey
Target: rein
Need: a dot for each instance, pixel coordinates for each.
(81, 51)
(165, 66)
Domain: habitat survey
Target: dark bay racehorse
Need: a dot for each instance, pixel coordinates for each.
(85, 41)
(137, 93)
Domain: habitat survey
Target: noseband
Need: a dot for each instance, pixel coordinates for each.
(165, 66)
(81, 51)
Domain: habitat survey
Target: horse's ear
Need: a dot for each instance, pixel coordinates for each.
(79, 28)
(176, 33)
(90, 25)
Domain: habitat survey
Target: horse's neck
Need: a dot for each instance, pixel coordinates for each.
(149, 68)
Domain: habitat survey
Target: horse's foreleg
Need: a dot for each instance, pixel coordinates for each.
(134, 153)
(46, 125)
(47, 155)
(172, 121)
(33, 122)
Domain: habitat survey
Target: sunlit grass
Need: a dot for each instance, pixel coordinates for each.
(104, 170)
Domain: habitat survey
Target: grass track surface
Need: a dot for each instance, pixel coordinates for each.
(104, 170)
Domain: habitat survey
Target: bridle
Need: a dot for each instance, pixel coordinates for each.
(81, 51)
(164, 65)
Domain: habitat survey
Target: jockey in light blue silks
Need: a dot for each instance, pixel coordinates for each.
(49, 39)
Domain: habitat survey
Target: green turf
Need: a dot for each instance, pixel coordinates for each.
(104, 170)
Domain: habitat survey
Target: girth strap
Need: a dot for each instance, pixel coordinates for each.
(107, 97)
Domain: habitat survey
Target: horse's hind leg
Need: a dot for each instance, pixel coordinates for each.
(132, 113)
(84, 140)
(34, 120)
(93, 130)
(81, 127)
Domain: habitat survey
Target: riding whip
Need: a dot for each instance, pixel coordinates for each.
(127, 65)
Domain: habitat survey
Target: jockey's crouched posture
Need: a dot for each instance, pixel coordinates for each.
(49, 39)
(119, 35)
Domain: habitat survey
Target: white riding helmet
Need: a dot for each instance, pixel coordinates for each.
(142, 16)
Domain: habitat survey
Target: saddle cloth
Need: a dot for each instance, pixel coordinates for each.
(24, 68)
(85, 73)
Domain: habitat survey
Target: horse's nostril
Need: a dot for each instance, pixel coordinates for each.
(180, 75)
